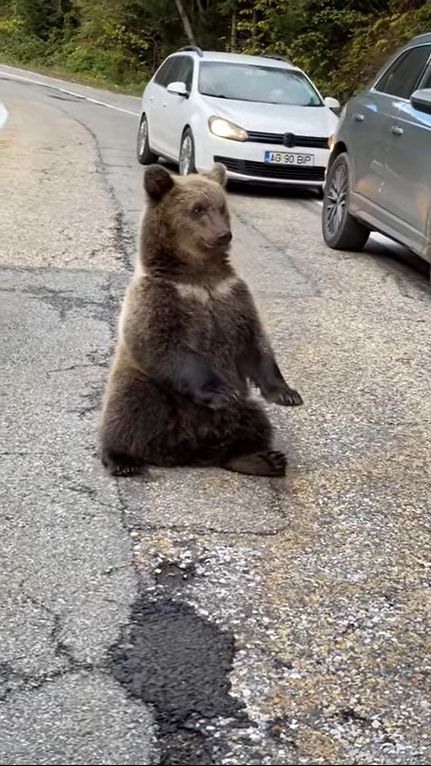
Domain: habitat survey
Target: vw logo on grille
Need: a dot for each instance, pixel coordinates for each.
(289, 139)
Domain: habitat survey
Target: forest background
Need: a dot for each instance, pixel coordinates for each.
(118, 43)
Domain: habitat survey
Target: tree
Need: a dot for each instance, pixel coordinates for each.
(340, 43)
(186, 22)
(41, 17)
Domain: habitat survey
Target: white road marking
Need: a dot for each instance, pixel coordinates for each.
(382, 240)
(3, 115)
(13, 76)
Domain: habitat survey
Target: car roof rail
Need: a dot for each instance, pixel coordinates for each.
(194, 48)
(277, 57)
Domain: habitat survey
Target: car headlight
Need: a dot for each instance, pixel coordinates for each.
(225, 129)
(331, 142)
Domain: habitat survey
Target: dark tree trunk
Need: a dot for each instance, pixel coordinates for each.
(186, 22)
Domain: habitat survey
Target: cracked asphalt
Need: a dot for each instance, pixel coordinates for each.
(195, 616)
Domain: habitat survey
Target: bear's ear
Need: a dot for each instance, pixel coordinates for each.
(218, 174)
(157, 182)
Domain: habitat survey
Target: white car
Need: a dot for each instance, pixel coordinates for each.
(260, 116)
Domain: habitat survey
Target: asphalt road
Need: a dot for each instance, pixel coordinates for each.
(199, 617)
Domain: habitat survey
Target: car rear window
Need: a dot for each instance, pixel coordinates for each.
(261, 84)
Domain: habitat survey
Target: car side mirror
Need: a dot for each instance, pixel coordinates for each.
(178, 89)
(332, 103)
(421, 100)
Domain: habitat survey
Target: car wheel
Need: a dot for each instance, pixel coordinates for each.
(187, 154)
(145, 155)
(340, 230)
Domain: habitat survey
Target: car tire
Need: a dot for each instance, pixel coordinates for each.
(340, 230)
(145, 155)
(186, 162)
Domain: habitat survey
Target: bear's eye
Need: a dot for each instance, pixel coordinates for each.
(198, 210)
(223, 208)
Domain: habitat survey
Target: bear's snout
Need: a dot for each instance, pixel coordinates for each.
(225, 237)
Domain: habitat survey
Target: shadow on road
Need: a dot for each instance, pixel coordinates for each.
(397, 258)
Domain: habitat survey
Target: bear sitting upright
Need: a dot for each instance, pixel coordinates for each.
(189, 344)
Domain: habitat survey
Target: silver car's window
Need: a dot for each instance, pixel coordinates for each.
(401, 77)
(261, 84)
(426, 82)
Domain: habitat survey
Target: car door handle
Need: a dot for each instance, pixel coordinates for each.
(396, 130)
(358, 117)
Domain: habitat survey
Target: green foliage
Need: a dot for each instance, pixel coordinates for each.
(16, 44)
(373, 41)
(41, 17)
(340, 43)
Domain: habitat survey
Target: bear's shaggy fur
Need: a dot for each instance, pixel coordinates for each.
(189, 344)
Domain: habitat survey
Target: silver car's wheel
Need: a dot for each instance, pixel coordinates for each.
(340, 230)
(336, 200)
(187, 154)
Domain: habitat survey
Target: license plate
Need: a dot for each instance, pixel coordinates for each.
(289, 158)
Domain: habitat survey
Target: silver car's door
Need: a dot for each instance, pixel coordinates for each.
(368, 118)
(373, 116)
(408, 169)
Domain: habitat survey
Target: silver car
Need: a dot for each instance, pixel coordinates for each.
(379, 171)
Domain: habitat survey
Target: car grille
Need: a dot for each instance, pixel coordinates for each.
(283, 172)
(278, 138)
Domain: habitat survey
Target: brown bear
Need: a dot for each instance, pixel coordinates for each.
(190, 343)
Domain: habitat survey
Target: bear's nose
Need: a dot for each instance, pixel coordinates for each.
(224, 238)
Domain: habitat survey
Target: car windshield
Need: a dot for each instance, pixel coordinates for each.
(261, 84)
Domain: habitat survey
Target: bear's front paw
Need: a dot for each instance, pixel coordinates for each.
(285, 396)
(217, 396)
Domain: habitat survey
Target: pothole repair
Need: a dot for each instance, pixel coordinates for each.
(179, 663)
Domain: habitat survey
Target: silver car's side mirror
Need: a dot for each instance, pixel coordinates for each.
(421, 100)
(178, 88)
